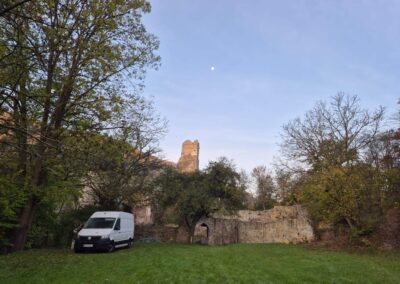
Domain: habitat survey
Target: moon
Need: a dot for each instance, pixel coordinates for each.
(212, 68)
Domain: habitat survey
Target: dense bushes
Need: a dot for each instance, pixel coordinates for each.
(55, 228)
(11, 200)
(356, 196)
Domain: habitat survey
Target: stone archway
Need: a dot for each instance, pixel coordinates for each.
(203, 231)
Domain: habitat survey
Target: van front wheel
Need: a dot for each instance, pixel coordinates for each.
(130, 243)
(111, 248)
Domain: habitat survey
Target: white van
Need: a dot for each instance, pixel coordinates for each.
(106, 230)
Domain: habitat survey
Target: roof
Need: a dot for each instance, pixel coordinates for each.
(111, 214)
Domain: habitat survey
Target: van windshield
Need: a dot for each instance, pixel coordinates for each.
(99, 223)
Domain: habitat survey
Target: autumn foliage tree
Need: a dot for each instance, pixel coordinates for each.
(339, 148)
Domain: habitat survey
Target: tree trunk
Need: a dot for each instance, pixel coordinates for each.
(188, 231)
(348, 221)
(190, 227)
(191, 233)
(25, 223)
(20, 233)
(186, 227)
(28, 213)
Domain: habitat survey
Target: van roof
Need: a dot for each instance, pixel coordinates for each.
(112, 214)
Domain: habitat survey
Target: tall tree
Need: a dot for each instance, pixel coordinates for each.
(266, 190)
(286, 186)
(121, 167)
(331, 134)
(65, 61)
(346, 178)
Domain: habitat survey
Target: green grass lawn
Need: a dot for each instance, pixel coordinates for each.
(175, 263)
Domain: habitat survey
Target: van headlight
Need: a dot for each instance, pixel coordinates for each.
(105, 237)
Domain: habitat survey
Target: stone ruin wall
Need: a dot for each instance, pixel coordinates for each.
(143, 215)
(153, 232)
(282, 224)
(189, 160)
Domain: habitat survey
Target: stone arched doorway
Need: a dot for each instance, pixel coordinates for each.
(201, 233)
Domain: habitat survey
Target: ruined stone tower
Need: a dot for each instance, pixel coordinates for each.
(189, 160)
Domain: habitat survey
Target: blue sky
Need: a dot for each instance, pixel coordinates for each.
(273, 60)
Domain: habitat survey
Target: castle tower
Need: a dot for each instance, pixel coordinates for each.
(189, 160)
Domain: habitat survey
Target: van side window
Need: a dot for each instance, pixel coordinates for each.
(118, 224)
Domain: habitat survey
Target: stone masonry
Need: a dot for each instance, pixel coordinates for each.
(281, 224)
(189, 160)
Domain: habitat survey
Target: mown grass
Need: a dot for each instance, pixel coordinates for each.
(175, 263)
